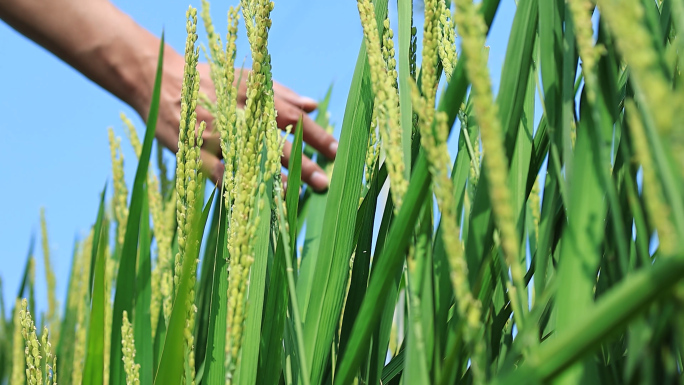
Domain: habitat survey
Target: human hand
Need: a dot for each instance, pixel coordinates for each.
(111, 49)
(289, 106)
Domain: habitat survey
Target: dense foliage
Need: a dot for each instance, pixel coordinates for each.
(553, 253)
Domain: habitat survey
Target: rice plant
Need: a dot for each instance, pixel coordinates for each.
(553, 254)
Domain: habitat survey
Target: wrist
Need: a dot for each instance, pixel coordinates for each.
(134, 64)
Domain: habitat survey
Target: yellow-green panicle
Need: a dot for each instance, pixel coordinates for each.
(119, 201)
(473, 31)
(447, 40)
(50, 359)
(52, 315)
(34, 374)
(383, 83)
(258, 129)
(188, 176)
(128, 349)
(18, 358)
(159, 224)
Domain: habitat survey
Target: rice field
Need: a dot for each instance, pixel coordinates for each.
(548, 251)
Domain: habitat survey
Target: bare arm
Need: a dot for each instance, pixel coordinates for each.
(111, 49)
(95, 38)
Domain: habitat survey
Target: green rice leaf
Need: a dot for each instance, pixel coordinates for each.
(93, 369)
(249, 359)
(582, 243)
(392, 254)
(125, 291)
(99, 222)
(66, 344)
(214, 358)
(609, 315)
(205, 285)
(142, 327)
(331, 272)
(405, 10)
(27, 269)
(419, 288)
(312, 209)
(275, 311)
(170, 370)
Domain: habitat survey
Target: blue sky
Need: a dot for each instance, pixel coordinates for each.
(53, 147)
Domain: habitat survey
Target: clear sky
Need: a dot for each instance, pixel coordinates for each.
(53, 127)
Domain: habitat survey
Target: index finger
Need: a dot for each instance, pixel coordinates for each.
(318, 138)
(305, 103)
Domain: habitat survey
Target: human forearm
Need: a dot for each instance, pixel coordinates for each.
(95, 38)
(107, 46)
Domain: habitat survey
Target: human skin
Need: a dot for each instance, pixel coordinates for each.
(111, 49)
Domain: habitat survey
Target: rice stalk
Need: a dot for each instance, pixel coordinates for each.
(119, 201)
(433, 141)
(248, 183)
(447, 39)
(656, 208)
(383, 82)
(50, 359)
(81, 299)
(34, 373)
(128, 349)
(52, 316)
(162, 232)
(18, 358)
(459, 311)
(495, 164)
(626, 20)
(188, 180)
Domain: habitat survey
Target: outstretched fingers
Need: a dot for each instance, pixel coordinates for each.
(312, 174)
(313, 134)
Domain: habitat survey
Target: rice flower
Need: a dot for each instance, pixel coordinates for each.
(132, 134)
(431, 33)
(383, 84)
(119, 201)
(18, 358)
(256, 14)
(373, 151)
(128, 349)
(257, 130)
(188, 160)
(165, 182)
(188, 176)
(473, 30)
(388, 53)
(413, 49)
(50, 359)
(81, 297)
(584, 33)
(111, 270)
(474, 177)
(223, 76)
(161, 229)
(228, 104)
(447, 39)
(657, 210)
(34, 374)
(167, 272)
(434, 144)
(52, 314)
(627, 22)
(215, 50)
(662, 106)
(535, 209)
